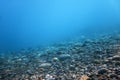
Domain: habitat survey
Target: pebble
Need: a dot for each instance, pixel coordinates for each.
(45, 65)
(55, 59)
(49, 77)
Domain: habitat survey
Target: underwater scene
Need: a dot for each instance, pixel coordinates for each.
(59, 39)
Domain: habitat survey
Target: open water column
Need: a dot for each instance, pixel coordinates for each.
(59, 39)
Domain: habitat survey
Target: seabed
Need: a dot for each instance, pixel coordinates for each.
(91, 59)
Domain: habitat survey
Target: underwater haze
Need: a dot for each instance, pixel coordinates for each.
(30, 23)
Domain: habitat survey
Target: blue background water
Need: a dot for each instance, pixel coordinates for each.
(28, 23)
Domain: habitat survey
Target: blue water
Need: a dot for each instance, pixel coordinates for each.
(30, 23)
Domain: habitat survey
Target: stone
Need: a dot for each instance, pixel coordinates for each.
(84, 77)
(72, 67)
(102, 71)
(0, 77)
(117, 72)
(114, 76)
(55, 59)
(64, 56)
(116, 58)
(45, 65)
(49, 77)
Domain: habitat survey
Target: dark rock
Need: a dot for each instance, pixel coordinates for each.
(114, 76)
(103, 79)
(117, 63)
(117, 72)
(102, 71)
(59, 53)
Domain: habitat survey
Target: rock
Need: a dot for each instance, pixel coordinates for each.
(40, 78)
(72, 67)
(64, 56)
(114, 76)
(116, 58)
(34, 77)
(118, 77)
(59, 52)
(45, 65)
(103, 79)
(117, 63)
(102, 71)
(29, 72)
(117, 72)
(84, 77)
(55, 59)
(96, 61)
(49, 77)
